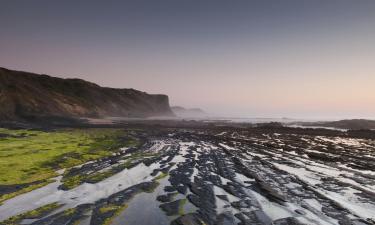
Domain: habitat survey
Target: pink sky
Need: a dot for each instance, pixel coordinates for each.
(250, 60)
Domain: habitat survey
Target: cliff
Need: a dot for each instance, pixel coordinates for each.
(25, 96)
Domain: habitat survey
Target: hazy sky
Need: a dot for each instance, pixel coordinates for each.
(236, 58)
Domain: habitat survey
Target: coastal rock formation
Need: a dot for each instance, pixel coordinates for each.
(27, 96)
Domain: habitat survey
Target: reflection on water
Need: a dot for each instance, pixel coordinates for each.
(84, 193)
(144, 209)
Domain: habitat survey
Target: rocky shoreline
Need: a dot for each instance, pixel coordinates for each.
(217, 176)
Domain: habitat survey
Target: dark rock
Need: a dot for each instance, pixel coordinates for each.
(273, 191)
(226, 218)
(166, 198)
(169, 189)
(182, 189)
(299, 211)
(287, 221)
(262, 217)
(172, 208)
(188, 219)
(194, 199)
(239, 204)
(223, 197)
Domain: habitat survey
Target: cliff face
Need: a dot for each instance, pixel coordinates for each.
(26, 95)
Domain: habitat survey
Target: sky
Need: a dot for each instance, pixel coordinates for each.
(296, 59)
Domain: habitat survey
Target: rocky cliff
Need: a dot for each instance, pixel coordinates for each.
(25, 96)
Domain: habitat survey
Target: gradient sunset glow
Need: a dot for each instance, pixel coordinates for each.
(304, 59)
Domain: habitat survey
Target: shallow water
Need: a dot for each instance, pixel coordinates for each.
(144, 209)
(85, 193)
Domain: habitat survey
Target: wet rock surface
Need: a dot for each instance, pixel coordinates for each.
(204, 176)
(166, 198)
